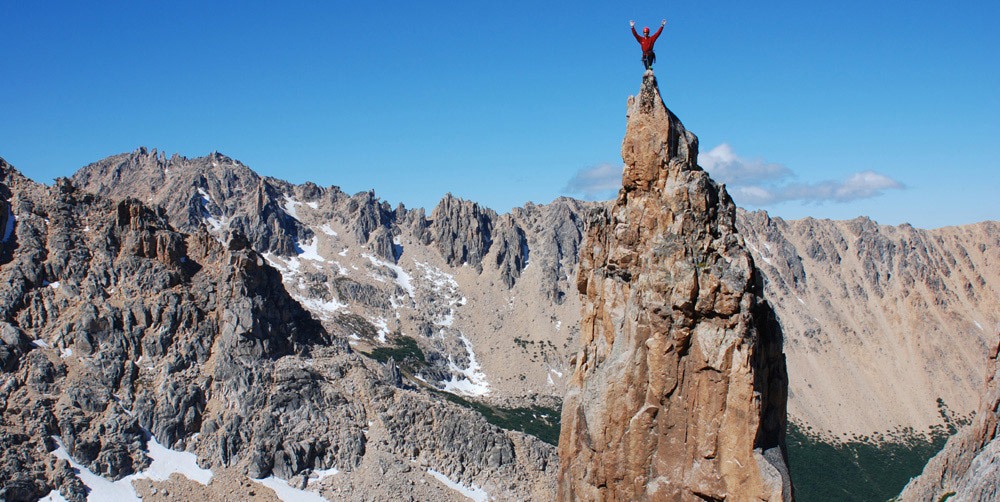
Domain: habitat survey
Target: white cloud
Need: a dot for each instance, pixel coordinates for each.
(758, 183)
(726, 167)
(599, 182)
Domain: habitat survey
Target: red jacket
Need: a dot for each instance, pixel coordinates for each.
(647, 42)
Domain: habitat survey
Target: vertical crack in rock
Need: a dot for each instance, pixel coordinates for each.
(680, 388)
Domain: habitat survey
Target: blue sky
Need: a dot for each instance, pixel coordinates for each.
(885, 109)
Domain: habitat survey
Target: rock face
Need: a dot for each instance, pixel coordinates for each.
(680, 386)
(396, 274)
(462, 230)
(968, 468)
(885, 327)
(117, 327)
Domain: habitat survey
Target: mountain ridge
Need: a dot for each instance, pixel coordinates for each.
(527, 271)
(118, 326)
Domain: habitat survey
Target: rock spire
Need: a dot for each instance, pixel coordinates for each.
(680, 387)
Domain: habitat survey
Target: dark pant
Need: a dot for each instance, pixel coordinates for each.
(648, 58)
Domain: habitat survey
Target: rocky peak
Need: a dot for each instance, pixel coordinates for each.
(656, 144)
(462, 231)
(680, 388)
(214, 189)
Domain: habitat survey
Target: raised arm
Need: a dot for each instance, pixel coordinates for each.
(657, 34)
(634, 34)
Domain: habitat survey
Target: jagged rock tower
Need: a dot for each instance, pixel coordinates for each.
(680, 386)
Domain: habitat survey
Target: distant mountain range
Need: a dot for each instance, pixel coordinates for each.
(348, 347)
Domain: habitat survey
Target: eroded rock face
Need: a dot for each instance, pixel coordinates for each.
(968, 468)
(859, 301)
(115, 326)
(462, 231)
(680, 387)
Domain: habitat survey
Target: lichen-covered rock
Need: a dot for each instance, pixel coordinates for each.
(680, 387)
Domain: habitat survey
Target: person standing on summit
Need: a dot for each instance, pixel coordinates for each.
(646, 41)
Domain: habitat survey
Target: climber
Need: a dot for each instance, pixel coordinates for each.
(648, 56)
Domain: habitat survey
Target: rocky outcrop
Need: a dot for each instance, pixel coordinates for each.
(555, 234)
(680, 386)
(968, 468)
(366, 215)
(462, 231)
(512, 250)
(117, 328)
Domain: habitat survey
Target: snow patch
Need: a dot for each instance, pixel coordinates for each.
(310, 250)
(290, 207)
(286, 267)
(328, 230)
(216, 224)
(800, 300)
(444, 287)
(383, 328)
(42, 344)
(474, 381)
(321, 474)
(205, 196)
(757, 252)
(288, 494)
(314, 205)
(448, 319)
(54, 285)
(403, 279)
(164, 463)
(341, 270)
(473, 493)
(980, 326)
(320, 307)
(67, 352)
(53, 496)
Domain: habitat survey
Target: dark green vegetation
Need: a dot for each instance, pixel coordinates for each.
(404, 351)
(859, 469)
(539, 421)
(359, 324)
